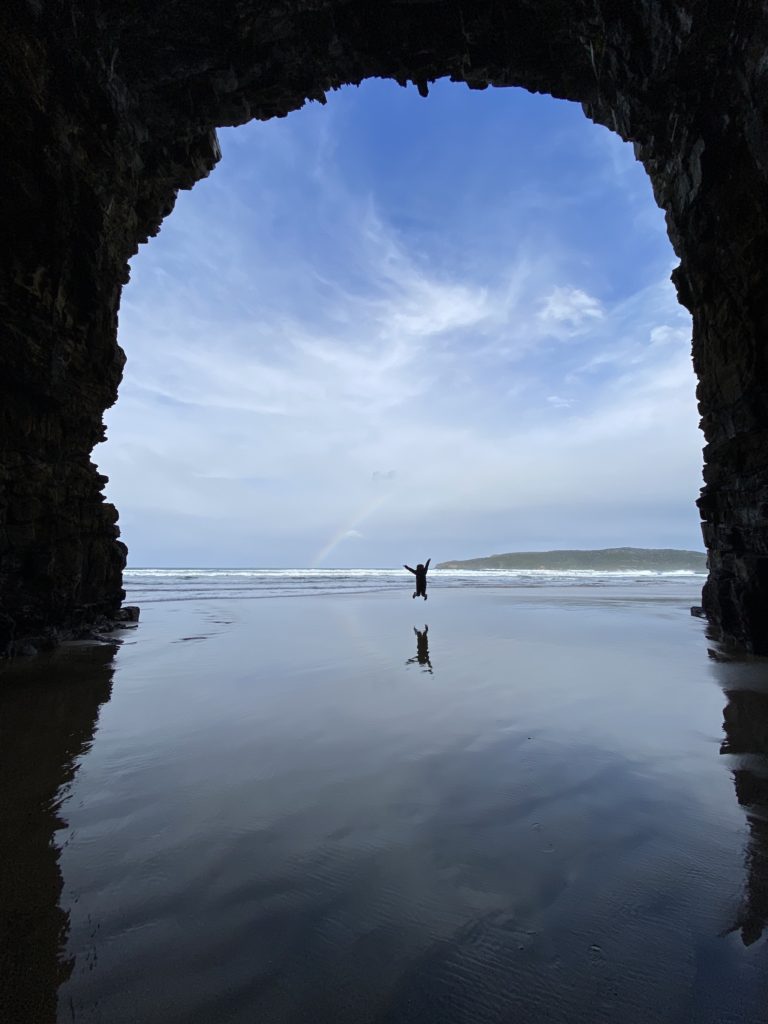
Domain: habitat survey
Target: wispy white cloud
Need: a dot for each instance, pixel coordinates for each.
(572, 308)
(301, 356)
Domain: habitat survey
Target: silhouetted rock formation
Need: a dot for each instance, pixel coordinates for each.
(45, 725)
(111, 108)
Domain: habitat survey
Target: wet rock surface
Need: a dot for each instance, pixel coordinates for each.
(110, 109)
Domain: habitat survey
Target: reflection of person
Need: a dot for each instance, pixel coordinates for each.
(422, 649)
(420, 572)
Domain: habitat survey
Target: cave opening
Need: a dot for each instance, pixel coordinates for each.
(111, 116)
(394, 322)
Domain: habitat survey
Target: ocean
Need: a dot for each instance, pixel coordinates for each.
(152, 585)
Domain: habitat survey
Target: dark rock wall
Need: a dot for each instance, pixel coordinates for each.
(112, 108)
(76, 202)
(61, 366)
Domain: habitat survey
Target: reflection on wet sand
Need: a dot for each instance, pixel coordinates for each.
(745, 722)
(509, 894)
(422, 649)
(49, 708)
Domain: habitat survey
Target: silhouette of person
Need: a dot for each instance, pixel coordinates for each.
(420, 572)
(422, 649)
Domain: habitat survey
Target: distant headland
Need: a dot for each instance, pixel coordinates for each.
(603, 559)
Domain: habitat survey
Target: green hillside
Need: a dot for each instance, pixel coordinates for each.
(604, 559)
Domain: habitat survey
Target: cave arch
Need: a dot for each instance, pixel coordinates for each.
(111, 110)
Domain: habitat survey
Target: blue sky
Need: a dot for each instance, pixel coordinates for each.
(393, 328)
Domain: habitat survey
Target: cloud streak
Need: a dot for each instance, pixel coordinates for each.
(307, 354)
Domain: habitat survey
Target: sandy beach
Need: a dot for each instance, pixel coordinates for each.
(496, 805)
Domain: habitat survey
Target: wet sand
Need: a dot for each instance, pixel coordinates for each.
(310, 809)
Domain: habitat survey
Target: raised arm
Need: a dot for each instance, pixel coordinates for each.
(409, 569)
(426, 564)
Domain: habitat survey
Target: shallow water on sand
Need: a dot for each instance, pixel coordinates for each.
(316, 809)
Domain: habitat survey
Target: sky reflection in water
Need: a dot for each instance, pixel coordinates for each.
(318, 809)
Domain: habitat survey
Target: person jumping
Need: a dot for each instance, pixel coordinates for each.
(420, 572)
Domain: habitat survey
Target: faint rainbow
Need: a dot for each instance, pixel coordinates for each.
(340, 534)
